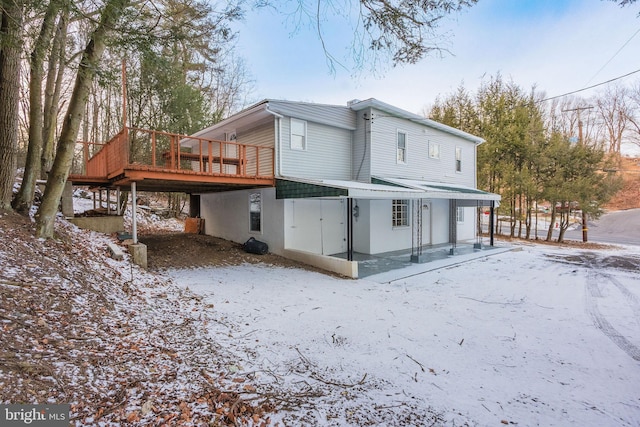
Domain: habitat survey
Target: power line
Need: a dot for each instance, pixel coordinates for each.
(614, 55)
(589, 87)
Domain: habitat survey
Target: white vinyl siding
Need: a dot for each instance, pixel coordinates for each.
(327, 154)
(419, 164)
(262, 136)
(362, 148)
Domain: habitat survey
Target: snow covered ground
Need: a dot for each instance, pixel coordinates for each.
(539, 335)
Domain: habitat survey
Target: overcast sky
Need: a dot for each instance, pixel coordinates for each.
(557, 45)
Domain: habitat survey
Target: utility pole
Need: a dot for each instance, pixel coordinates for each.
(581, 142)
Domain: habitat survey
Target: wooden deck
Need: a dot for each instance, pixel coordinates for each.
(160, 161)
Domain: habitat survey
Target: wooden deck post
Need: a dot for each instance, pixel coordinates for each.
(118, 206)
(134, 208)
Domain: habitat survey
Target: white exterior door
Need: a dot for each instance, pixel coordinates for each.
(333, 217)
(316, 226)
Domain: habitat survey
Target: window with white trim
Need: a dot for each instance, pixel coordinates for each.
(460, 214)
(458, 159)
(401, 147)
(434, 150)
(298, 134)
(400, 213)
(255, 212)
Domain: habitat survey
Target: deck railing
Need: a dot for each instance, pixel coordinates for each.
(135, 148)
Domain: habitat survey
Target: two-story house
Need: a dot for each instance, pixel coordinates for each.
(363, 178)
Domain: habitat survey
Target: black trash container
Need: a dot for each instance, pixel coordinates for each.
(254, 246)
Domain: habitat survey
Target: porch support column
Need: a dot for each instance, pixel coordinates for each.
(453, 225)
(349, 229)
(138, 250)
(491, 224)
(108, 201)
(479, 210)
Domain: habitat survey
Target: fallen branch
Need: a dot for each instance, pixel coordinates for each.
(493, 302)
(419, 364)
(322, 380)
(304, 358)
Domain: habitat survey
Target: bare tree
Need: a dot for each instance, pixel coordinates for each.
(633, 114)
(52, 94)
(10, 51)
(396, 32)
(613, 111)
(91, 56)
(24, 199)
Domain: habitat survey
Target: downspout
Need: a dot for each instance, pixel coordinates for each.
(278, 132)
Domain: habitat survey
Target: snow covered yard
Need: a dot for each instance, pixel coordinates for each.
(537, 336)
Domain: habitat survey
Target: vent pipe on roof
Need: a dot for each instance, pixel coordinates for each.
(353, 101)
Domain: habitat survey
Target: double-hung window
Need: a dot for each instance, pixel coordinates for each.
(458, 159)
(401, 147)
(434, 150)
(298, 134)
(400, 213)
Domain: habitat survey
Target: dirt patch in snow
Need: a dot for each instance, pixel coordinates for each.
(182, 250)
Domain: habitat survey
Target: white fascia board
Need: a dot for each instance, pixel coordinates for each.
(262, 105)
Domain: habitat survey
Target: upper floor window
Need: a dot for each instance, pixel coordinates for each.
(400, 213)
(434, 150)
(458, 159)
(298, 134)
(401, 148)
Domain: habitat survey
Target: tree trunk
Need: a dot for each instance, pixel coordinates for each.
(552, 220)
(53, 88)
(564, 224)
(69, 134)
(24, 198)
(513, 219)
(10, 50)
(520, 215)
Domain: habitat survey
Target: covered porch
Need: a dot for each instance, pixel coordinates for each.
(394, 265)
(352, 221)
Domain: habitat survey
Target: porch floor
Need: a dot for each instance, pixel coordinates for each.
(388, 267)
